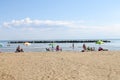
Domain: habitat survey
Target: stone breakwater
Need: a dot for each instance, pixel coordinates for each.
(58, 41)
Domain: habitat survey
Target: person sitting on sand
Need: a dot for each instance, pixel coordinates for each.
(84, 48)
(22, 50)
(57, 48)
(18, 49)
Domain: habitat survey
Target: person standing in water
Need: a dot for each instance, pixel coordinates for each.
(73, 46)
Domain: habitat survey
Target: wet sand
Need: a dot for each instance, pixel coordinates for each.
(104, 65)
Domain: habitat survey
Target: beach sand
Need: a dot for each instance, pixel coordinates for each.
(104, 65)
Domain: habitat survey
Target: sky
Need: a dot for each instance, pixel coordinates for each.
(59, 19)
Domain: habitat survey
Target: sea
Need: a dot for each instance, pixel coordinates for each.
(5, 46)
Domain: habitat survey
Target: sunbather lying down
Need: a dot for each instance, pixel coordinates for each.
(101, 49)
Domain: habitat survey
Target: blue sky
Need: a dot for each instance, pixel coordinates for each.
(59, 19)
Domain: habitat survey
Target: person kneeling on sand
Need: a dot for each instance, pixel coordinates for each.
(18, 49)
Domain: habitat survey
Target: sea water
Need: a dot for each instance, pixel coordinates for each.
(114, 45)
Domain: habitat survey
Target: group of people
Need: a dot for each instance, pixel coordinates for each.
(56, 49)
(85, 48)
(19, 49)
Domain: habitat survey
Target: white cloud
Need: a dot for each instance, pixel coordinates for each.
(28, 22)
(73, 25)
(49, 28)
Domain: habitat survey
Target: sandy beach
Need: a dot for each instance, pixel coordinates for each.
(104, 65)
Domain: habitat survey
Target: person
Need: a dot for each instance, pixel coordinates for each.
(101, 49)
(47, 49)
(84, 48)
(18, 49)
(57, 48)
(22, 50)
(73, 45)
